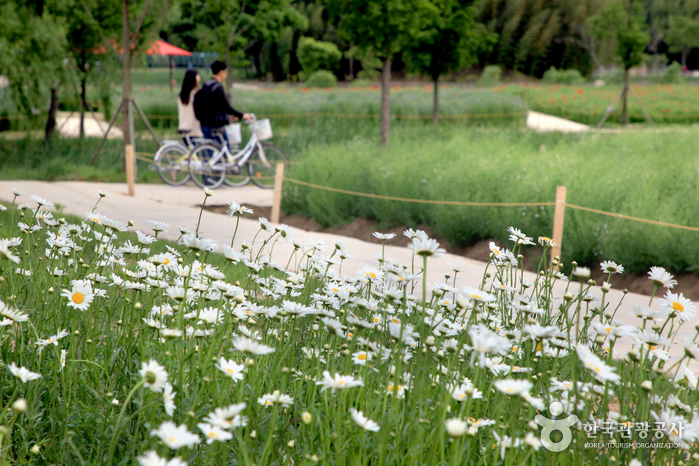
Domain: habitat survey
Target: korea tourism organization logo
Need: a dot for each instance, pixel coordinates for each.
(549, 426)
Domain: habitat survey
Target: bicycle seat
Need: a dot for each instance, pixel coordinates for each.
(184, 132)
(218, 131)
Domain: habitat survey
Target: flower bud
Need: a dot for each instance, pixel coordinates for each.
(647, 385)
(291, 444)
(35, 450)
(19, 406)
(429, 341)
(306, 417)
(253, 434)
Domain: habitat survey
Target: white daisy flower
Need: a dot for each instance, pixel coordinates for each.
(174, 436)
(230, 368)
(364, 422)
(151, 458)
(339, 382)
(426, 247)
(270, 399)
(22, 373)
(251, 346)
(611, 267)
(455, 427)
(154, 374)
(214, 433)
(685, 309)
(80, 296)
(660, 277)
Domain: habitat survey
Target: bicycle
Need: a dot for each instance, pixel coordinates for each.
(211, 164)
(171, 160)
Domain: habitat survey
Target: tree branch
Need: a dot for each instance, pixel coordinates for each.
(139, 21)
(97, 26)
(154, 30)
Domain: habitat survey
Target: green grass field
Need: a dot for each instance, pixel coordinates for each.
(625, 173)
(664, 103)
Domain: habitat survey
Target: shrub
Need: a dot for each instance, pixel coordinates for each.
(491, 76)
(317, 55)
(321, 78)
(362, 83)
(556, 76)
(672, 74)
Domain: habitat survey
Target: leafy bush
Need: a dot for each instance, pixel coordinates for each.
(317, 55)
(363, 83)
(672, 74)
(321, 78)
(491, 76)
(614, 173)
(556, 76)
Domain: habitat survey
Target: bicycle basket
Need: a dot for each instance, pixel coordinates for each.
(262, 128)
(233, 133)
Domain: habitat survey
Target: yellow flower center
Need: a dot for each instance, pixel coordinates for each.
(230, 370)
(342, 382)
(395, 321)
(539, 346)
(78, 298)
(475, 296)
(677, 306)
(371, 275)
(166, 261)
(362, 357)
(212, 435)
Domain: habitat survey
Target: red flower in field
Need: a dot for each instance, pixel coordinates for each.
(580, 92)
(552, 100)
(374, 88)
(305, 89)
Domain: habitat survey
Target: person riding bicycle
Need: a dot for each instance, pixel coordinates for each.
(211, 106)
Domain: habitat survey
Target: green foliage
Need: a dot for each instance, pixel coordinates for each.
(321, 78)
(666, 104)
(490, 76)
(449, 40)
(363, 82)
(672, 74)
(317, 55)
(631, 43)
(555, 76)
(615, 173)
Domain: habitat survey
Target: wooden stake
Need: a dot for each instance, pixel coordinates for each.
(558, 217)
(129, 157)
(277, 203)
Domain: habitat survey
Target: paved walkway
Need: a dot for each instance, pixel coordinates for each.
(541, 122)
(179, 207)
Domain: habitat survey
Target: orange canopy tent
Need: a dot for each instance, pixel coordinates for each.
(160, 47)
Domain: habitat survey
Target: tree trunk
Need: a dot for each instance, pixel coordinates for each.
(435, 105)
(386, 101)
(126, 80)
(83, 104)
(625, 98)
(172, 68)
(229, 67)
(51, 121)
(683, 55)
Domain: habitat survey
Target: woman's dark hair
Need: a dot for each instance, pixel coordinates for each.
(188, 83)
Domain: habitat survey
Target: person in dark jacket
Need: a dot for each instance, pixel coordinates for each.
(215, 111)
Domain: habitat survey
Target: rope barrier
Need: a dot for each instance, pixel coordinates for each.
(628, 217)
(422, 201)
(490, 204)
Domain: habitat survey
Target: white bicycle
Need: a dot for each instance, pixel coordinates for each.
(212, 164)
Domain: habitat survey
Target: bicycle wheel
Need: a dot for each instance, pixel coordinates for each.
(259, 173)
(236, 177)
(202, 172)
(171, 163)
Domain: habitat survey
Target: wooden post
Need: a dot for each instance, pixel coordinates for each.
(277, 202)
(558, 217)
(129, 159)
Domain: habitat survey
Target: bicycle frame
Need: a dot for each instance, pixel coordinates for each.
(240, 157)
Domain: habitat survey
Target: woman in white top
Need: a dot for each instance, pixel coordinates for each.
(185, 111)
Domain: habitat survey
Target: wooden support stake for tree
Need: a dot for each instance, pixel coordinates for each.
(129, 159)
(558, 218)
(277, 202)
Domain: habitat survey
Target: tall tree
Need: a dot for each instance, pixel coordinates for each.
(384, 28)
(140, 23)
(625, 21)
(678, 23)
(233, 27)
(33, 44)
(451, 40)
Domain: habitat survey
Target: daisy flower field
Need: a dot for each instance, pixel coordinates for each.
(120, 348)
